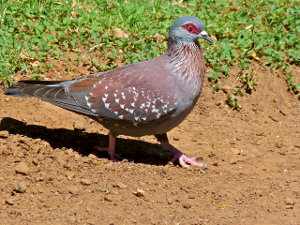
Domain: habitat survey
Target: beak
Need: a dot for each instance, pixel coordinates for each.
(204, 35)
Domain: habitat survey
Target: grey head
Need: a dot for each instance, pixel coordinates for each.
(188, 29)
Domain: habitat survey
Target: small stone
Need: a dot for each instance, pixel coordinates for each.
(4, 134)
(158, 37)
(72, 189)
(215, 164)
(9, 201)
(289, 203)
(20, 187)
(22, 168)
(236, 151)
(108, 198)
(226, 89)
(119, 33)
(120, 185)
(139, 193)
(186, 205)
(92, 156)
(85, 182)
(35, 162)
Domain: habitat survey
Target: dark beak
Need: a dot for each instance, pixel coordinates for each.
(204, 35)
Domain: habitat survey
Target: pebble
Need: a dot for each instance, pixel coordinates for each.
(72, 189)
(119, 33)
(120, 185)
(22, 168)
(85, 182)
(4, 134)
(289, 203)
(139, 193)
(20, 187)
(226, 89)
(9, 201)
(186, 205)
(108, 198)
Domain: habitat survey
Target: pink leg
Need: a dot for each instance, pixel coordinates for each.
(182, 159)
(110, 149)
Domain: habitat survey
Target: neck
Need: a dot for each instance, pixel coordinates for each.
(187, 64)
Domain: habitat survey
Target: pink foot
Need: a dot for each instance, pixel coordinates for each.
(186, 161)
(112, 156)
(178, 156)
(110, 149)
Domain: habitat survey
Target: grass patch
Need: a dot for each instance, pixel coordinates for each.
(33, 32)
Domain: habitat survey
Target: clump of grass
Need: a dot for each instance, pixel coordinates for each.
(293, 87)
(233, 102)
(36, 31)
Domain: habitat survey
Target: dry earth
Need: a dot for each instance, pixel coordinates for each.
(50, 175)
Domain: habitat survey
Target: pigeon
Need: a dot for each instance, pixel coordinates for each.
(144, 98)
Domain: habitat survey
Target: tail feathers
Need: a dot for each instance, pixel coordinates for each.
(31, 88)
(55, 92)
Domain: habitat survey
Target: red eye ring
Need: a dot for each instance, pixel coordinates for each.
(191, 28)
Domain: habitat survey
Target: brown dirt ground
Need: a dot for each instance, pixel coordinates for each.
(48, 174)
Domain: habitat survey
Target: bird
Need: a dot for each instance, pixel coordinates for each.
(145, 98)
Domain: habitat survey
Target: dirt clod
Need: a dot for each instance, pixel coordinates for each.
(139, 193)
(9, 201)
(4, 134)
(22, 168)
(85, 181)
(20, 187)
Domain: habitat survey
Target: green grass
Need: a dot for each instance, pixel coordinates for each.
(34, 32)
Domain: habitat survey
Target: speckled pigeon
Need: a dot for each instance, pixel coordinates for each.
(145, 98)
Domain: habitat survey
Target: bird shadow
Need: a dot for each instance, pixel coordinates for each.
(84, 142)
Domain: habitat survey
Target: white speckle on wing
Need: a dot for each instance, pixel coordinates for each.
(105, 95)
(104, 99)
(144, 118)
(116, 113)
(117, 100)
(87, 101)
(142, 106)
(136, 118)
(93, 110)
(106, 105)
(158, 115)
(132, 104)
(155, 110)
(121, 117)
(122, 106)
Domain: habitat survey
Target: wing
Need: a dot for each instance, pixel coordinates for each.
(139, 93)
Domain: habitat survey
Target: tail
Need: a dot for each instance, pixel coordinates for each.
(55, 92)
(33, 88)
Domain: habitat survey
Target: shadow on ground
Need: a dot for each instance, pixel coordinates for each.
(83, 142)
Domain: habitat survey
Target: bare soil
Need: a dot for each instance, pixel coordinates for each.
(49, 173)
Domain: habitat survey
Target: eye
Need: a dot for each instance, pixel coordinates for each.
(191, 28)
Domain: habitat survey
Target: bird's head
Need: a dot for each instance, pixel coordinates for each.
(188, 29)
